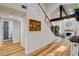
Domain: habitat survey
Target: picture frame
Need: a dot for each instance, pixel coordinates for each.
(34, 25)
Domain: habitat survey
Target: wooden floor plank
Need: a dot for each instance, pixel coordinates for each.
(15, 49)
(11, 49)
(20, 53)
(51, 51)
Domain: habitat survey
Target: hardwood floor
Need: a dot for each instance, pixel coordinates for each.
(60, 48)
(10, 49)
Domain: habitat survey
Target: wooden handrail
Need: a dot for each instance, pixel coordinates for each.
(63, 17)
(45, 13)
(63, 9)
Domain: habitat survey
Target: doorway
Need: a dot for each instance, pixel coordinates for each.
(6, 30)
(11, 31)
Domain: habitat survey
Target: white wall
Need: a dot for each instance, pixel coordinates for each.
(23, 31)
(1, 32)
(37, 39)
(62, 24)
(22, 34)
(16, 31)
(10, 29)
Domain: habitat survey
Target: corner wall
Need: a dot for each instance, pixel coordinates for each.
(37, 39)
(16, 31)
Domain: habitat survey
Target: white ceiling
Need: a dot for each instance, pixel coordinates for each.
(8, 12)
(50, 6)
(68, 7)
(53, 8)
(15, 10)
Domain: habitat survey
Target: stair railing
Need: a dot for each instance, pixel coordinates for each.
(47, 19)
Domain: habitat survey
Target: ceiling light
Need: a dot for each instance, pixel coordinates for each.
(11, 16)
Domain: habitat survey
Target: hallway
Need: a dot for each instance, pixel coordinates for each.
(11, 49)
(38, 29)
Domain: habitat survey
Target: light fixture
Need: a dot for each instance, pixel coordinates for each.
(11, 16)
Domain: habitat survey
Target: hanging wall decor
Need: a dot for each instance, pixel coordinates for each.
(34, 25)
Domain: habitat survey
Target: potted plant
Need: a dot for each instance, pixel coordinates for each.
(76, 10)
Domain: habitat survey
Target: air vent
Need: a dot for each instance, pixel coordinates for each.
(24, 7)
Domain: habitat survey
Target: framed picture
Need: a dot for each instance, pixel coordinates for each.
(34, 25)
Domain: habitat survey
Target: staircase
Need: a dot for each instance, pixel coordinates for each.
(47, 20)
(50, 49)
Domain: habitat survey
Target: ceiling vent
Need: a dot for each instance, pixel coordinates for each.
(24, 7)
